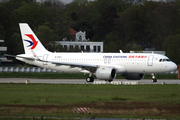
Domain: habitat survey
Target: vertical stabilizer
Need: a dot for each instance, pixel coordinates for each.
(30, 40)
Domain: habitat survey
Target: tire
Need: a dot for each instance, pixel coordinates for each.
(92, 79)
(154, 80)
(89, 79)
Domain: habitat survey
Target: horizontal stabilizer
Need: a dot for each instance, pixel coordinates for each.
(24, 57)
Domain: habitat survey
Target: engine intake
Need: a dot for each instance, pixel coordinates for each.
(106, 73)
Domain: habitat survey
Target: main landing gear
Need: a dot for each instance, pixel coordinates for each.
(154, 80)
(89, 79)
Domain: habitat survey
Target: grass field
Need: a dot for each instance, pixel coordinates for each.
(125, 101)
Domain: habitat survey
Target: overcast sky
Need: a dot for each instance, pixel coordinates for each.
(68, 1)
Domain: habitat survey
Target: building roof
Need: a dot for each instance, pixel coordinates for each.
(72, 31)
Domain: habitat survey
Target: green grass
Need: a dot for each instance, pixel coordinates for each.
(114, 101)
(157, 101)
(50, 94)
(72, 75)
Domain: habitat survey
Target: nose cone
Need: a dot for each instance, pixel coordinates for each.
(173, 66)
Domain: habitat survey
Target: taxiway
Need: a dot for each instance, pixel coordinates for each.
(80, 81)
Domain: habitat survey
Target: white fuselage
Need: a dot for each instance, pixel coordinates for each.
(122, 62)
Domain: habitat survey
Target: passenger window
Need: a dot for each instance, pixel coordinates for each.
(160, 60)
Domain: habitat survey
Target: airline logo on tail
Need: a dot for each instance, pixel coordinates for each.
(32, 43)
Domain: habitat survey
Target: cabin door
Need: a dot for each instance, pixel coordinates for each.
(150, 60)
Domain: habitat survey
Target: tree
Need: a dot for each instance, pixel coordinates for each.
(15, 4)
(78, 10)
(104, 18)
(171, 46)
(15, 46)
(47, 36)
(112, 43)
(121, 28)
(165, 22)
(138, 24)
(55, 3)
(31, 13)
(58, 21)
(2, 32)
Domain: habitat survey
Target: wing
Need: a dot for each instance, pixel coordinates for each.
(72, 64)
(89, 67)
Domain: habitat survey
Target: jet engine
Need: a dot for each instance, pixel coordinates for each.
(107, 73)
(133, 76)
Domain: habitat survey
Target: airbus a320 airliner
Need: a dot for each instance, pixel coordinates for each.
(104, 66)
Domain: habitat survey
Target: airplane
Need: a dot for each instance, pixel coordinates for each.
(105, 66)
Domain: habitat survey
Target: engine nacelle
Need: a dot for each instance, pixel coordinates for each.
(133, 76)
(106, 73)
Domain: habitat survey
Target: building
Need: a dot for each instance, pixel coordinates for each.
(81, 43)
(2, 58)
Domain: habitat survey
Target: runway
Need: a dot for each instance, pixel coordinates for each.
(81, 81)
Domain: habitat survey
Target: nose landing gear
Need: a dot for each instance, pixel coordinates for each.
(154, 80)
(90, 79)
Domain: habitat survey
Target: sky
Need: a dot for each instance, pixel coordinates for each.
(68, 1)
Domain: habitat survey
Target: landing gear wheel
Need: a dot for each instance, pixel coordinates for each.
(154, 80)
(89, 79)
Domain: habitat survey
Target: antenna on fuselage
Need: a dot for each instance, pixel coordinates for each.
(120, 51)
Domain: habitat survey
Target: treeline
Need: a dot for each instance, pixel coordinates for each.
(120, 24)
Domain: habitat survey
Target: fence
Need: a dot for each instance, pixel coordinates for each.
(75, 118)
(38, 69)
(25, 69)
(40, 118)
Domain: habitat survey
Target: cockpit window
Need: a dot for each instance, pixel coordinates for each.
(164, 60)
(168, 59)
